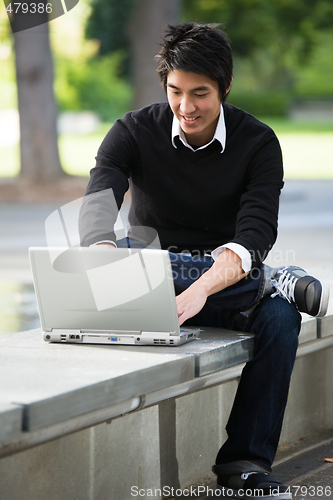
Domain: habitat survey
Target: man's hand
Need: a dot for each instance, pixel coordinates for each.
(226, 271)
(190, 302)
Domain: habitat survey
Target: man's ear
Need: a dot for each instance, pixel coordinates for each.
(228, 89)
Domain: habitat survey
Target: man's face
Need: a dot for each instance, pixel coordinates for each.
(195, 101)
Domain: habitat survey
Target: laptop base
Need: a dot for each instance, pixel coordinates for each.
(120, 338)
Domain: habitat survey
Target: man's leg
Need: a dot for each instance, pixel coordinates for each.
(256, 418)
(255, 421)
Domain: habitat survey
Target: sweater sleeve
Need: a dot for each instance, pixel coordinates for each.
(257, 218)
(107, 185)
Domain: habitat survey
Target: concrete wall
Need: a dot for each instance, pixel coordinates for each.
(310, 402)
(173, 443)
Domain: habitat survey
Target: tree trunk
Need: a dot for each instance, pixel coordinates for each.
(149, 19)
(36, 103)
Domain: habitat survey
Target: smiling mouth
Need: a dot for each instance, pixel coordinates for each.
(189, 118)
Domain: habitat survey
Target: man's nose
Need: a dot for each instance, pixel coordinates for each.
(187, 106)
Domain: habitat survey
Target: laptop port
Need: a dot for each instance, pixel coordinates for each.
(63, 338)
(113, 339)
(190, 335)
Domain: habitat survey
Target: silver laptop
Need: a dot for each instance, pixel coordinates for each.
(98, 295)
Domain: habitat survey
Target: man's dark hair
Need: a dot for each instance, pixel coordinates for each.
(197, 48)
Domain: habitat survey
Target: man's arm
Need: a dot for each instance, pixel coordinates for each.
(256, 228)
(256, 225)
(107, 186)
(226, 271)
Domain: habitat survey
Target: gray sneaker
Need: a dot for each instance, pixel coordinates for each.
(308, 293)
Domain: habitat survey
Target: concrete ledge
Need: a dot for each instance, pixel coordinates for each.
(10, 421)
(55, 382)
(150, 448)
(325, 326)
(216, 349)
(147, 439)
(309, 329)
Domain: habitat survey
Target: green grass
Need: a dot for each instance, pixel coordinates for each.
(9, 161)
(307, 150)
(283, 126)
(77, 152)
(306, 147)
(307, 155)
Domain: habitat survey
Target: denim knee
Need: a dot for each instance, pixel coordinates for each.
(278, 321)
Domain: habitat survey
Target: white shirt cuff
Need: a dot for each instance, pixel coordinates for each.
(105, 241)
(239, 250)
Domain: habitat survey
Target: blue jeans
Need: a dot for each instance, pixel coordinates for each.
(256, 417)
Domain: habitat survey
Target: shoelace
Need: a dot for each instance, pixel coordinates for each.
(285, 285)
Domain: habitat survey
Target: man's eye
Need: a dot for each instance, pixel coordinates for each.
(201, 95)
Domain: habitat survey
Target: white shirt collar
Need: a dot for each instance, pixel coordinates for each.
(220, 133)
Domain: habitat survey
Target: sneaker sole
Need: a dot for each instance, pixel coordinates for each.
(325, 295)
(230, 493)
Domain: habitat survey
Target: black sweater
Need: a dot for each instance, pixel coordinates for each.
(199, 200)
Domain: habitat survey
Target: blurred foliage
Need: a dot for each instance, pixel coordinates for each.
(277, 25)
(84, 80)
(87, 79)
(261, 103)
(315, 79)
(93, 84)
(282, 49)
(108, 23)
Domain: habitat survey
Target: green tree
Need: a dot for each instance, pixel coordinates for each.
(277, 35)
(134, 26)
(108, 22)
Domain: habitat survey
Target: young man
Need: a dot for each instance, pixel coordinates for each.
(207, 177)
